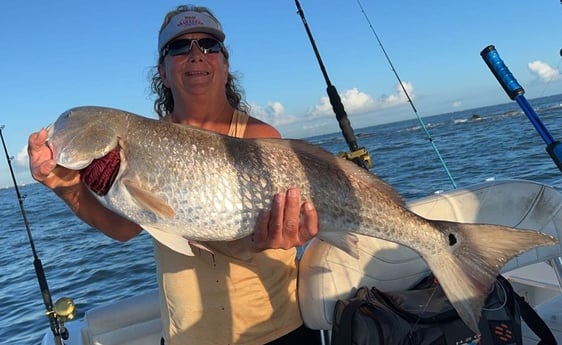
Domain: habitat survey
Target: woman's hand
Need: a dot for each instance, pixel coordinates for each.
(288, 224)
(66, 184)
(45, 170)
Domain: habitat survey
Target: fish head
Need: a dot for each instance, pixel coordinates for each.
(81, 135)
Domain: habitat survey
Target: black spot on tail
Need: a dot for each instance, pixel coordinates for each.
(452, 240)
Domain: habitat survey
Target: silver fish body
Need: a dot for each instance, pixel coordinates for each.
(205, 186)
(183, 183)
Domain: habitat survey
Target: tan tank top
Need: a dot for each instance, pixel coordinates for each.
(233, 296)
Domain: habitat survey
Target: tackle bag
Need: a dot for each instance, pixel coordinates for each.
(424, 316)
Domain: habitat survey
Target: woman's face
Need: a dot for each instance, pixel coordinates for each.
(194, 72)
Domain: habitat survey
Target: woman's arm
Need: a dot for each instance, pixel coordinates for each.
(67, 185)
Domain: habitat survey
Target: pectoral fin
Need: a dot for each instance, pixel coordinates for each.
(148, 200)
(200, 246)
(174, 242)
(343, 240)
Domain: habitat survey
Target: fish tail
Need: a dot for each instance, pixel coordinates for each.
(470, 263)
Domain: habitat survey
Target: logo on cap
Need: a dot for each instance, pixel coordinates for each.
(190, 21)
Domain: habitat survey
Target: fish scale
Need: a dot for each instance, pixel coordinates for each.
(184, 185)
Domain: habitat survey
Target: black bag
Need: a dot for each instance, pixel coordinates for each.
(424, 316)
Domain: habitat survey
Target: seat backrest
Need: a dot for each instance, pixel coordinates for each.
(327, 274)
(134, 320)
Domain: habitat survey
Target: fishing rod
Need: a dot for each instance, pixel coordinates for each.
(63, 309)
(357, 154)
(428, 135)
(516, 93)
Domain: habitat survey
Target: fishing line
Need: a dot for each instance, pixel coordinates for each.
(56, 324)
(428, 135)
(425, 307)
(502, 297)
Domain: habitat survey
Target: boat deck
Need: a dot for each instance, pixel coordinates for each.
(551, 313)
(538, 284)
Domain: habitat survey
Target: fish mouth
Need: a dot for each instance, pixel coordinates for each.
(50, 130)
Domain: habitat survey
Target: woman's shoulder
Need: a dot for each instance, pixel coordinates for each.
(257, 128)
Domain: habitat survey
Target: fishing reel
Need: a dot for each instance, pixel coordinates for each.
(64, 310)
(359, 156)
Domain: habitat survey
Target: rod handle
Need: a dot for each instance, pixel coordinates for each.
(501, 72)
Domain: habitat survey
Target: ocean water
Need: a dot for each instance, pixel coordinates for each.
(80, 262)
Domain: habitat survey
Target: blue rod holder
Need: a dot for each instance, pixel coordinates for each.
(516, 93)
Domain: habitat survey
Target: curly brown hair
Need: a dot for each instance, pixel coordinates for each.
(164, 102)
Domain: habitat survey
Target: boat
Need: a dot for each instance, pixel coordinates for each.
(327, 274)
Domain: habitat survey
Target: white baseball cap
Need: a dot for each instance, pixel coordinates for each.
(190, 21)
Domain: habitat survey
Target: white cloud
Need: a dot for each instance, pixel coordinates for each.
(400, 96)
(20, 167)
(21, 159)
(273, 113)
(544, 71)
(357, 102)
(354, 101)
(457, 104)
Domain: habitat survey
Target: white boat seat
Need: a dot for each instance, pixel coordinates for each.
(131, 321)
(551, 313)
(327, 274)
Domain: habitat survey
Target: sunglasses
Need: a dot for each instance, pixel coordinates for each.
(183, 46)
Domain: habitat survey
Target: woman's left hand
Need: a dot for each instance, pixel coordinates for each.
(287, 224)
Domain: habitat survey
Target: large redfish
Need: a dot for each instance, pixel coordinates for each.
(185, 184)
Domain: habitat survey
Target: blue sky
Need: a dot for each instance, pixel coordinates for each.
(61, 54)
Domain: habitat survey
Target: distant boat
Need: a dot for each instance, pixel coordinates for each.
(475, 117)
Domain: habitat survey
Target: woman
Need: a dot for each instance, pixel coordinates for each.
(245, 291)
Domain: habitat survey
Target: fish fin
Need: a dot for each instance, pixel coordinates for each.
(148, 200)
(343, 240)
(475, 254)
(172, 241)
(175, 242)
(200, 246)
